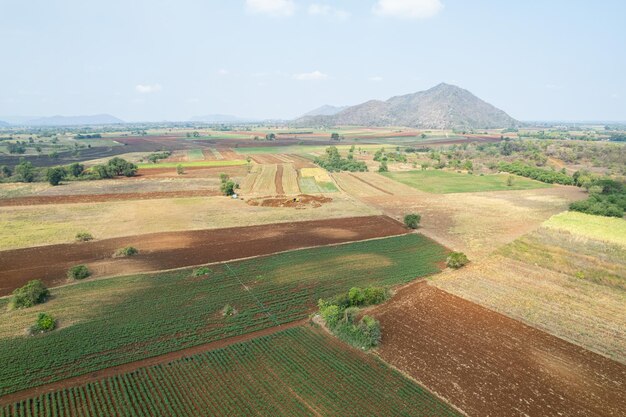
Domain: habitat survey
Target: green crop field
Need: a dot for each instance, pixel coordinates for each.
(609, 229)
(308, 185)
(193, 164)
(297, 372)
(107, 322)
(443, 182)
(195, 155)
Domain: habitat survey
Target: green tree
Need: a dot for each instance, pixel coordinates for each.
(78, 272)
(456, 260)
(509, 181)
(25, 171)
(55, 175)
(412, 221)
(33, 293)
(180, 170)
(45, 323)
(76, 169)
(383, 167)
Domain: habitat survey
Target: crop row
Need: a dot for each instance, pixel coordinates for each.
(137, 317)
(297, 372)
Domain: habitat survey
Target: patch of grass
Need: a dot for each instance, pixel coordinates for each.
(195, 155)
(191, 164)
(113, 321)
(609, 229)
(443, 182)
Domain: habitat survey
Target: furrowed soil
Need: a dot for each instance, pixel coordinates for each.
(99, 198)
(160, 251)
(278, 180)
(490, 365)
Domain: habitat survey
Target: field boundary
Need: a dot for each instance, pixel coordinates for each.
(371, 185)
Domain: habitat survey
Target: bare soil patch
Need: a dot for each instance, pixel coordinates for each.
(301, 201)
(278, 180)
(160, 251)
(99, 198)
(490, 365)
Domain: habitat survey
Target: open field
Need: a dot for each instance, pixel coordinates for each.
(443, 182)
(195, 155)
(161, 251)
(594, 227)
(297, 372)
(488, 364)
(476, 223)
(108, 322)
(316, 180)
(193, 164)
(26, 226)
(564, 283)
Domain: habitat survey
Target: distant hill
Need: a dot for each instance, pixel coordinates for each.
(444, 106)
(220, 118)
(4, 124)
(325, 110)
(96, 119)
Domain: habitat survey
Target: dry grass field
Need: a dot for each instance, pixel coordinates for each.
(562, 282)
(25, 226)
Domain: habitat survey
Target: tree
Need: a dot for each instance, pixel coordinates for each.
(55, 175)
(509, 181)
(45, 323)
(78, 272)
(125, 252)
(83, 237)
(25, 171)
(456, 260)
(33, 293)
(76, 169)
(412, 221)
(383, 167)
(228, 187)
(5, 171)
(270, 136)
(180, 170)
(334, 136)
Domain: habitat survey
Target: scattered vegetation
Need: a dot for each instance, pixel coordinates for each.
(45, 323)
(228, 311)
(607, 198)
(180, 170)
(83, 237)
(412, 220)
(333, 162)
(157, 156)
(78, 272)
(227, 185)
(125, 252)
(539, 174)
(456, 260)
(31, 294)
(200, 272)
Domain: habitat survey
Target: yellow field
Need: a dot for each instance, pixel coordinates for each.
(610, 229)
(50, 224)
(290, 179)
(320, 174)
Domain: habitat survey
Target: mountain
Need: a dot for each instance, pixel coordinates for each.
(4, 124)
(444, 106)
(325, 110)
(220, 118)
(96, 119)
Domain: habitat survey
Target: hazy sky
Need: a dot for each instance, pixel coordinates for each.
(158, 60)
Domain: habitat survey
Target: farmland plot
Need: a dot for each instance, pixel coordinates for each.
(290, 179)
(297, 372)
(316, 180)
(108, 322)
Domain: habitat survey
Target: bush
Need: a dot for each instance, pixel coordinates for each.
(125, 252)
(45, 323)
(228, 311)
(33, 293)
(180, 170)
(83, 237)
(56, 175)
(78, 272)
(331, 315)
(412, 221)
(202, 271)
(456, 260)
(332, 162)
(383, 167)
(370, 328)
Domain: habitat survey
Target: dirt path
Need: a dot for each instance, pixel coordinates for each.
(133, 366)
(490, 365)
(278, 180)
(371, 185)
(169, 250)
(99, 198)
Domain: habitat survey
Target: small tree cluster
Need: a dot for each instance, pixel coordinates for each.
(33, 293)
(412, 220)
(78, 272)
(45, 323)
(83, 237)
(227, 186)
(456, 260)
(125, 252)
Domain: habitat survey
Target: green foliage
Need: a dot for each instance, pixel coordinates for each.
(5, 171)
(607, 198)
(25, 171)
(412, 220)
(228, 311)
(78, 272)
(33, 293)
(118, 166)
(457, 260)
(228, 187)
(383, 167)
(157, 156)
(55, 175)
(76, 169)
(125, 252)
(333, 162)
(180, 170)
(539, 174)
(83, 237)
(45, 323)
(509, 181)
(202, 271)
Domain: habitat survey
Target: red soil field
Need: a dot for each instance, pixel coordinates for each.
(278, 180)
(99, 198)
(160, 251)
(267, 159)
(490, 365)
(195, 172)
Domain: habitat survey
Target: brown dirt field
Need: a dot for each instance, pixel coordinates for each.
(490, 365)
(229, 154)
(301, 162)
(208, 155)
(190, 172)
(99, 198)
(278, 180)
(299, 202)
(133, 366)
(371, 185)
(169, 250)
(266, 159)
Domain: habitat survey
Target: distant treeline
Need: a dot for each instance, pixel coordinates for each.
(89, 136)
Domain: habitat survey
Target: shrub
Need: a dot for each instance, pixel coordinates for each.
(228, 311)
(78, 272)
(370, 328)
(412, 221)
(34, 292)
(83, 237)
(228, 187)
(203, 270)
(125, 252)
(331, 315)
(45, 323)
(55, 175)
(383, 167)
(456, 260)
(180, 170)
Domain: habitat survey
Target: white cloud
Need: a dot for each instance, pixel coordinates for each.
(274, 8)
(311, 76)
(148, 88)
(317, 9)
(408, 9)
(376, 78)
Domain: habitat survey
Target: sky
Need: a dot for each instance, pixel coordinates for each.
(154, 60)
